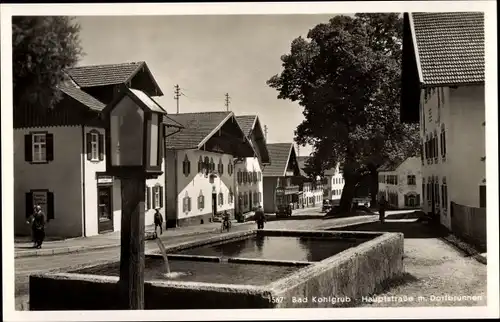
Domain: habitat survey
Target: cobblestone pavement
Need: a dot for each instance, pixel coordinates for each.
(437, 274)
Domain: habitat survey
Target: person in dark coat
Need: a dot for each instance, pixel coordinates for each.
(260, 218)
(382, 206)
(38, 221)
(158, 219)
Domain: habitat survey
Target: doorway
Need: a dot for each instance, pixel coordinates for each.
(105, 209)
(214, 204)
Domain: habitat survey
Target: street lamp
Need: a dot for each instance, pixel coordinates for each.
(134, 152)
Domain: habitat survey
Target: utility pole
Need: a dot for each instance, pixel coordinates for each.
(177, 95)
(265, 132)
(227, 101)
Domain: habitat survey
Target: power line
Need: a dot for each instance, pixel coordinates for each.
(227, 101)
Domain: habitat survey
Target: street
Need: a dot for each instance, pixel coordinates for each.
(25, 266)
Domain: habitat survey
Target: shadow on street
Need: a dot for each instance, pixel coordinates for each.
(409, 229)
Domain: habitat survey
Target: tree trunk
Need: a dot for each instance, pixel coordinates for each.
(374, 188)
(347, 195)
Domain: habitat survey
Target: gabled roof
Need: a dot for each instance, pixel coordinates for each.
(74, 92)
(280, 154)
(108, 74)
(390, 166)
(198, 127)
(247, 123)
(449, 47)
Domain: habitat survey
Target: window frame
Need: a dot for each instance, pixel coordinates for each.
(41, 145)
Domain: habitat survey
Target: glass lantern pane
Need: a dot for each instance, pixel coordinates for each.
(127, 133)
(153, 149)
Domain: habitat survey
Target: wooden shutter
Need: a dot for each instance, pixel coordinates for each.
(50, 206)
(148, 198)
(28, 148)
(161, 196)
(49, 146)
(418, 200)
(189, 203)
(29, 204)
(406, 200)
(89, 145)
(100, 145)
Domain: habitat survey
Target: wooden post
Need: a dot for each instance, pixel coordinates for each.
(133, 191)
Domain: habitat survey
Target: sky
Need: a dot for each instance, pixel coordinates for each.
(207, 56)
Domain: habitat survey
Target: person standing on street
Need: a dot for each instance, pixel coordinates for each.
(158, 219)
(381, 209)
(260, 218)
(38, 221)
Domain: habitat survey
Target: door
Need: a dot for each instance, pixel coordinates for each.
(214, 203)
(104, 209)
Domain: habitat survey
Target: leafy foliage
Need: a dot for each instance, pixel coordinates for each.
(42, 47)
(347, 77)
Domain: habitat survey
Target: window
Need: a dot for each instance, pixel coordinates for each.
(186, 166)
(206, 164)
(221, 199)
(230, 196)
(444, 194)
(436, 192)
(220, 167)
(201, 201)
(157, 197)
(186, 203)
(200, 165)
(443, 142)
(212, 165)
(436, 146)
(95, 146)
(422, 152)
(240, 177)
(259, 175)
(411, 180)
(39, 147)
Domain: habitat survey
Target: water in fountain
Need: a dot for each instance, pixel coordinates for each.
(163, 251)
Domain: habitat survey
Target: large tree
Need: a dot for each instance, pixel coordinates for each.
(42, 47)
(346, 76)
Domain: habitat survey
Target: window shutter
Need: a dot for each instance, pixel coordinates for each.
(29, 204)
(100, 145)
(148, 198)
(418, 200)
(28, 148)
(161, 196)
(406, 200)
(189, 203)
(89, 145)
(50, 206)
(50, 146)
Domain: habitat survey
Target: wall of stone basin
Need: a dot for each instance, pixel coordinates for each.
(353, 273)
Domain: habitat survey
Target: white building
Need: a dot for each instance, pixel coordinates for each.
(60, 161)
(401, 184)
(200, 166)
(312, 190)
(333, 184)
(248, 180)
(443, 79)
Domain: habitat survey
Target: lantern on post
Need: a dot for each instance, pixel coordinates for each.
(134, 153)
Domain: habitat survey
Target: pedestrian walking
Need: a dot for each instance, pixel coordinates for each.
(37, 221)
(260, 218)
(382, 205)
(158, 219)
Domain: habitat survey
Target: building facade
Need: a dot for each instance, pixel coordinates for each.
(401, 184)
(312, 189)
(444, 91)
(333, 184)
(248, 183)
(60, 159)
(280, 177)
(200, 166)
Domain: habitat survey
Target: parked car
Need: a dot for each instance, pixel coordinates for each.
(327, 205)
(284, 210)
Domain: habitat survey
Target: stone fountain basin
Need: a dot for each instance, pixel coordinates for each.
(236, 282)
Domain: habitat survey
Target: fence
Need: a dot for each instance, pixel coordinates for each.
(469, 223)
